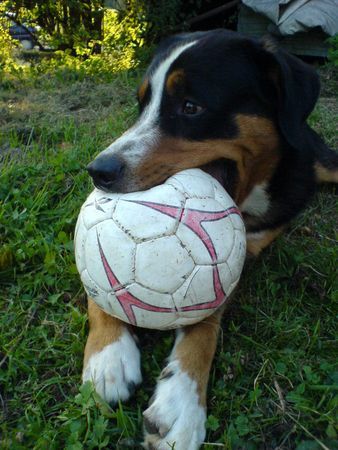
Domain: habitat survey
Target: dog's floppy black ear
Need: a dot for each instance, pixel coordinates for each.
(297, 87)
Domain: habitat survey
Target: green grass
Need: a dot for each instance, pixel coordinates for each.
(274, 382)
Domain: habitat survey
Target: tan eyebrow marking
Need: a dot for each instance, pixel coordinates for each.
(174, 79)
(143, 89)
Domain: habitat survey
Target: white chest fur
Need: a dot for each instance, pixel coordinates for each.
(257, 203)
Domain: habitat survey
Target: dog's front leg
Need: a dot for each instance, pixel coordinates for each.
(111, 358)
(177, 411)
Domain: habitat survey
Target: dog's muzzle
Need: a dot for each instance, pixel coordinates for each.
(106, 171)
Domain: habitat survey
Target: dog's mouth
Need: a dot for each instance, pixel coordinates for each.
(224, 171)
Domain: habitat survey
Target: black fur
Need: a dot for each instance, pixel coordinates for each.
(228, 74)
(224, 76)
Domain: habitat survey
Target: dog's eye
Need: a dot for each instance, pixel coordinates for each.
(191, 108)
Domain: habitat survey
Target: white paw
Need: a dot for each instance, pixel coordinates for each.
(115, 370)
(175, 415)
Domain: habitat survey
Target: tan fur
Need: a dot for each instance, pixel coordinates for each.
(143, 89)
(196, 351)
(103, 330)
(256, 242)
(325, 175)
(255, 151)
(174, 80)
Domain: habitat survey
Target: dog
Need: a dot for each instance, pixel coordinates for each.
(237, 108)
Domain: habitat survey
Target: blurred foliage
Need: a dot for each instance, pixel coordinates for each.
(333, 49)
(118, 45)
(84, 37)
(162, 17)
(61, 24)
(8, 46)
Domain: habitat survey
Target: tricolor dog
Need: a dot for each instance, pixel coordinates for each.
(237, 108)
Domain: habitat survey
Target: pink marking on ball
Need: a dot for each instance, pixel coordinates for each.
(125, 298)
(220, 295)
(193, 219)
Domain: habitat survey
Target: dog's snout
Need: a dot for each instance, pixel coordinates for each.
(106, 171)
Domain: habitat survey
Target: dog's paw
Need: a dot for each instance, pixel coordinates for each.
(115, 370)
(175, 418)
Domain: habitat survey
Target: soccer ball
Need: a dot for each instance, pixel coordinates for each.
(161, 258)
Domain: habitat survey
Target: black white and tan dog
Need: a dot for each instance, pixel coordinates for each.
(237, 108)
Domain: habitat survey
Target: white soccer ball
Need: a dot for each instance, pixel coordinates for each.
(161, 258)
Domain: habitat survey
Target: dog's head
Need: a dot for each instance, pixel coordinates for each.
(214, 100)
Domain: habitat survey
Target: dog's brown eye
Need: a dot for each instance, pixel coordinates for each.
(191, 108)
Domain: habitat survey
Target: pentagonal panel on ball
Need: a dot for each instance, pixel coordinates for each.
(152, 309)
(149, 214)
(193, 183)
(198, 288)
(196, 298)
(162, 264)
(99, 206)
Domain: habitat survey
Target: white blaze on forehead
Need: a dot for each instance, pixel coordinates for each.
(157, 80)
(136, 142)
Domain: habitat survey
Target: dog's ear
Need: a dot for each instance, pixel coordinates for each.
(297, 89)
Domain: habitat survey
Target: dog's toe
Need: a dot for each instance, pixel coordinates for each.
(175, 416)
(115, 370)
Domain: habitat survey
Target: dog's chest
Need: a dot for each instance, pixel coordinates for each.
(257, 203)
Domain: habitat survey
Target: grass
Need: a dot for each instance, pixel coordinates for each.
(274, 381)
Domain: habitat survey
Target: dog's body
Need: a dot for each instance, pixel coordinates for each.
(237, 108)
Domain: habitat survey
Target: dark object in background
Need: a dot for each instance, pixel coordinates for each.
(23, 34)
(301, 27)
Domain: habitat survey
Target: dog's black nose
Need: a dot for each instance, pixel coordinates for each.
(106, 170)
